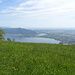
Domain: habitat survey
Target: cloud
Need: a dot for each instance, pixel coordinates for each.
(42, 8)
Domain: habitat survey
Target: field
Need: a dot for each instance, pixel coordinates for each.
(36, 59)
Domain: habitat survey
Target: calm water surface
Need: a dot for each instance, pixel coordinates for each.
(33, 39)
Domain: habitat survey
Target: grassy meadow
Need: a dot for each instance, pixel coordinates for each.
(36, 59)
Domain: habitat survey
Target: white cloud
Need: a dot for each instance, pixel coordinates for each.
(43, 7)
(41, 12)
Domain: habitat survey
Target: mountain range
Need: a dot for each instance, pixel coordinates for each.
(22, 31)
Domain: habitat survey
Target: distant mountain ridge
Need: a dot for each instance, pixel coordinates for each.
(19, 31)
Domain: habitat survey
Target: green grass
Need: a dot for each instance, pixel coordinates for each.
(36, 59)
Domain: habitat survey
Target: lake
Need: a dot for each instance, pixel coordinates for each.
(33, 39)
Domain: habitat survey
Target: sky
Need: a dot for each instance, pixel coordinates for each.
(37, 13)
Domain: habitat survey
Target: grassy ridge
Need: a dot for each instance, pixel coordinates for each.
(36, 59)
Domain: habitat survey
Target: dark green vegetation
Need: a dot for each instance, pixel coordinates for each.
(2, 34)
(36, 59)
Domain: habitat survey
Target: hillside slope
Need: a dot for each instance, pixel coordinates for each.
(19, 31)
(36, 59)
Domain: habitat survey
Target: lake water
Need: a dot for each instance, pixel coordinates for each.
(33, 39)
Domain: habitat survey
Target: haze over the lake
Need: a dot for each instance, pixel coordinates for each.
(37, 13)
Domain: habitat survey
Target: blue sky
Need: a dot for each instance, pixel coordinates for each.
(37, 13)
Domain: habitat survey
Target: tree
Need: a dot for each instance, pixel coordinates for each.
(8, 39)
(61, 43)
(2, 34)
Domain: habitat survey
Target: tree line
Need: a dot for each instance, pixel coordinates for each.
(2, 33)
